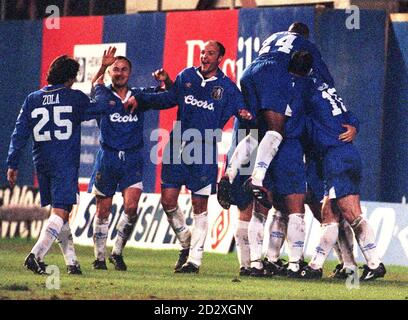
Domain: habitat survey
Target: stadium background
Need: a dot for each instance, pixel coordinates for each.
(368, 64)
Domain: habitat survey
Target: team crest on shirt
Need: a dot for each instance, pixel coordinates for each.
(188, 84)
(112, 103)
(216, 94)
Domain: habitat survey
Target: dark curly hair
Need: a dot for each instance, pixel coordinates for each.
(62, 69)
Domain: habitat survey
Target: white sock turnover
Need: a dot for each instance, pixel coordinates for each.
(49, 233)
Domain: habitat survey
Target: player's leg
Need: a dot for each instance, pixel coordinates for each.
(289, 184)
(61, 192)
(315, 207)
(343, 165)
(201, 180)
(296, 232)
(65, 191)
(244, 202)
(101, 230)
(49, 233)
(256, 229)
(125, 225)
(315, 192)
(329, 230)
(32, 261)
(344, 248)
(131, 186)
(177, 221)
(277, 234)
(242, 241)
(103, 184)
(173, 176)
(66, 244)
(198, 234)
(364, 234)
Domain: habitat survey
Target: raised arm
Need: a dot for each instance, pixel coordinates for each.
(108, 59)
(162, 76)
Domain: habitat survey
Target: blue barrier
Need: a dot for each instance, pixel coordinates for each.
(394, 179)
(20, 62)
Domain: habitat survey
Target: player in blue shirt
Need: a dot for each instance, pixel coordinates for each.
(233, 194)
(52, 116)
(285, 176)
(342, 175)
(267, 85)
(119, 162)
(206, 100)
(315, 195)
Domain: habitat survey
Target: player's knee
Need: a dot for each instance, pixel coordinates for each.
(199, 204)
(131, 209)
(245, 214)
(328, 214)
(102, 211)
(295, 203)
(261, 209)
(168, 203)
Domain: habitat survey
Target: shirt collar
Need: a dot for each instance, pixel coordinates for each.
(55, 87)
(128, 94)
(204, 81)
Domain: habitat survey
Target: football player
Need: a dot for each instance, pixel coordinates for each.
(267, 85)
(52, 116)
(207, 99)
(119, 162)
(342, 175)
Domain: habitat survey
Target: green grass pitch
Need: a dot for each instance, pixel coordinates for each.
(150, 276)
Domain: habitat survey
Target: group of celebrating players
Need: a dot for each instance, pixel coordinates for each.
(299, 133)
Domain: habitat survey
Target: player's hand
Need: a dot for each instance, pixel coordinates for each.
(245, 114)
(12, 176)
(160, 75)
(108, 57)
(131, 105)
(349, 134)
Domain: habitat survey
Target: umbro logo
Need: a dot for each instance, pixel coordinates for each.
(369, 275)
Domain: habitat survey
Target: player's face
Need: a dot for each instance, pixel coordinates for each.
(120, 72)
(210, 59)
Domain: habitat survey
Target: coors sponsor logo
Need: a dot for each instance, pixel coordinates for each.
(116, 117)
(198, 103)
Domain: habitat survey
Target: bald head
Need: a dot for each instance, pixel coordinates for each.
(219, 45)
(300, 28)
